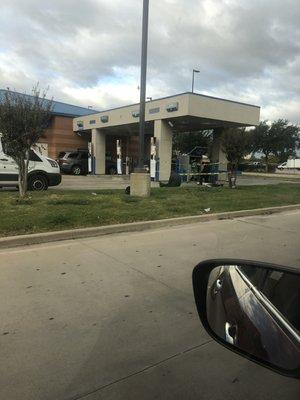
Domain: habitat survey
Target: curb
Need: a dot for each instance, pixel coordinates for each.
(38, 238)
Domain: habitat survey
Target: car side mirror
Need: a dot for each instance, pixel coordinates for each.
(253, 309)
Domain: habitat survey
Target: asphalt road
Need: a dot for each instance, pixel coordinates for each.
(114, 317)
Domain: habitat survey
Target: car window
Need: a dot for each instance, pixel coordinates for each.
(3, 145)
(32, 154)
(255, 275)
(34, 157)
(282, 290)
(73, 155)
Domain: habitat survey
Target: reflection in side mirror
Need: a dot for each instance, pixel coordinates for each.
(254, 309)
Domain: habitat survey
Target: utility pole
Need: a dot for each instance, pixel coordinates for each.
(195, 71)
(143, 85)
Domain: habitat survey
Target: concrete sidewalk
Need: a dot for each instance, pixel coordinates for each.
(114, 317)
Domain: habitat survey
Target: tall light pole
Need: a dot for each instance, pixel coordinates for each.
(143, 85)
(195, 71)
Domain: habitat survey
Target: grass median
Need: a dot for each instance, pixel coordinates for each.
(58, 210)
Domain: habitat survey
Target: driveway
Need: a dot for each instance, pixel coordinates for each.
(114, 317)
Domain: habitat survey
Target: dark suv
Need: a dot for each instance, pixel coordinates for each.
(76, 163)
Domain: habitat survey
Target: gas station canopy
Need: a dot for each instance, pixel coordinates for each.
(184, 112)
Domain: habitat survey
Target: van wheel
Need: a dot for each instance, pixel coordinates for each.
(77, 170)
(37, 183)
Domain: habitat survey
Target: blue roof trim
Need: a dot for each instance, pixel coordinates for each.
(61, 109)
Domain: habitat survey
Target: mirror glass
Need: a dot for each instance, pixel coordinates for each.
(257, 310)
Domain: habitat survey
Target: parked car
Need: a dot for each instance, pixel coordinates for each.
(76, 163)
(42, 171)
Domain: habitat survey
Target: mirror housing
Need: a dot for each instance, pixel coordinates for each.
(233, 295)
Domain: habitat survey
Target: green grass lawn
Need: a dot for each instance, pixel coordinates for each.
(56, 210)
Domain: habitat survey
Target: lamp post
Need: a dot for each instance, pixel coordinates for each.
(195, 71)
(143, 85)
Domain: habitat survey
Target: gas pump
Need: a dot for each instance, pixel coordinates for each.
(119, 157)
(90, 158)
(153, 160)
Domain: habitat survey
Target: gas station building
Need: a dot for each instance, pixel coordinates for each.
(186, 112)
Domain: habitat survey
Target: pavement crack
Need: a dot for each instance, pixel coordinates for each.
(149, 367)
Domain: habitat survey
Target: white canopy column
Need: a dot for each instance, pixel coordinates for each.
(164, 138)
(218, 155)
(99, 150)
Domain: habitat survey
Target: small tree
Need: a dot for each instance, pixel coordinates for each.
(236, 144)
(23, 120)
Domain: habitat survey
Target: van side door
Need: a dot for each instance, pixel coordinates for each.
(9, 172)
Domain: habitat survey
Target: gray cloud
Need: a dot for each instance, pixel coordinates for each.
(88, 52)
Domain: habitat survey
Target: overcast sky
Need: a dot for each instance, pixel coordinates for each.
(88, 51)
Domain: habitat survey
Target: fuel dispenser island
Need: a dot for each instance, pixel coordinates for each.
(119, 157)
(91, 169)
(154, 163)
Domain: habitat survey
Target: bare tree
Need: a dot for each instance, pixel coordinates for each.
(23, 120)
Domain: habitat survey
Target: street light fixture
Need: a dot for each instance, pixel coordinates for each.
(195, 71)
(143, 85)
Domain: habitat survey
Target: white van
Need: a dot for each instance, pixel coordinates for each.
(291, 163)
(42, 171)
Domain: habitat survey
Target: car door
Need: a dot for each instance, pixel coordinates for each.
(9, 172)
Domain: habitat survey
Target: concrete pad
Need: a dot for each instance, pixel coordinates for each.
(107, 182)
(92, 182)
